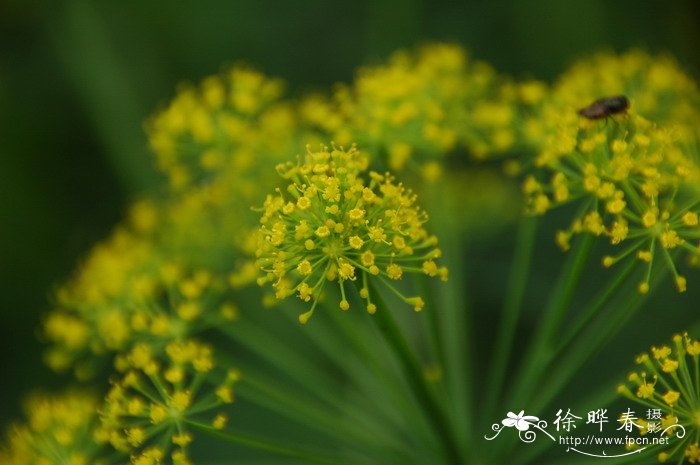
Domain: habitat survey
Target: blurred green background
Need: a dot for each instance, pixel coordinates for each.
(78, 78)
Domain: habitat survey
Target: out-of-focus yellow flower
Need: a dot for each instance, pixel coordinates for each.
(418, 107)
(222, 124)
(59, 430)
(136, 287)
(657, 88)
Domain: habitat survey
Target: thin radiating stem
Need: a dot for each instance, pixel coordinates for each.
(517, 282)
(562, 296)
(412, 369)
(269, 447)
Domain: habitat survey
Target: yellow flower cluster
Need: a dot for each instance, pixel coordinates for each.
(634, 184)
(221, 124)
(126, 292)
(411, 112)
(209, 227)
(655, 85)
(668, 381)
(146, 412)
(658, 89)
(418, 107)
(334, 224)
(59, 430)
(169, 273)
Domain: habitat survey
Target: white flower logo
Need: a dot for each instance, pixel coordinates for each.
(520, 421)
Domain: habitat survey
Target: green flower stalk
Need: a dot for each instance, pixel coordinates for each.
(668, 379)
(333, 224)
(59, 430)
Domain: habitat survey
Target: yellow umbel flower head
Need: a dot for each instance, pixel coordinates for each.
(147, 411)
(418, 107)
(209, 226)
(218, 125)
(654, 85)
(333, 223)
(59, 430)
(668, 381)
(634, 183)
(127, 292)
(89, 315)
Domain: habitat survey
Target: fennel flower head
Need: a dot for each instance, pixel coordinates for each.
(667, 380)
(337, 223)
(60, 429)
(221, 124)
(655, 86)
(634, 175)
(128, 292)
(419, 107)
(210, 225)
(633, 184)
(147, 412)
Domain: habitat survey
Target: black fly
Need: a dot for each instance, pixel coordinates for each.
(604, 107)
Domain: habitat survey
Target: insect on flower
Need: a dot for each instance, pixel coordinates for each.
(604, 107)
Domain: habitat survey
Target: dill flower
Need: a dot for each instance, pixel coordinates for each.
(126, 292)
(417, 108)
(633, 182)
(333, 223)
(219, 123)
(657, 88)
(88, 316)
(147, 411)
(209, 226)
(59, 430)
(667, 380)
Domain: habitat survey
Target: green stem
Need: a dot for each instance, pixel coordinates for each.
(361, 435)
(594, 308)
(378, 370)
(412, 369)
(587, 347)
(263, 344)
(314, 380)
(457, 337)
(266, 446)
(594, 340)
(601, 398)
(432, 319)
(383, 388)
(532, 367)
(515, 291)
